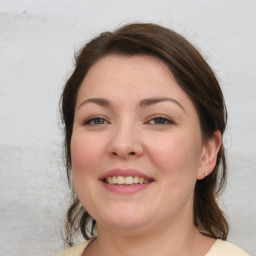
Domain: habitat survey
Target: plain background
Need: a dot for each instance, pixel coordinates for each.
(37, 43)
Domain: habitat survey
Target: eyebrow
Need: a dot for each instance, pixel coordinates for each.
(143, 103)
(155, 100)
(99, 101)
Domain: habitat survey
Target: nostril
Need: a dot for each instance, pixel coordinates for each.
(128, 154)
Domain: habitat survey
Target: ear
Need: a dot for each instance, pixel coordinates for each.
(209, 155)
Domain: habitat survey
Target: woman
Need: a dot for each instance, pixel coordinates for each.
(144, 118)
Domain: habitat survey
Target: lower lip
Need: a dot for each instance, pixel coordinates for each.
(126, 189)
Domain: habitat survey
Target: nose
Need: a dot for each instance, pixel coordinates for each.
(125, 143)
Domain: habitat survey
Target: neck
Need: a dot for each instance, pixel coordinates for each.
(178, 241)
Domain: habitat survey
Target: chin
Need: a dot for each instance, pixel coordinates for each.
(127, 228)
(125, 221)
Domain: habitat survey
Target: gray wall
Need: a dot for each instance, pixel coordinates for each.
(37, 42)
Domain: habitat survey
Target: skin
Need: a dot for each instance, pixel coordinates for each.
(162, 140)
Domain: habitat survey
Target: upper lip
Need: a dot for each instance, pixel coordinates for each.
(124, 173)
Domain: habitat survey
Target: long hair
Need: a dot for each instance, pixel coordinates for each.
(193, 75)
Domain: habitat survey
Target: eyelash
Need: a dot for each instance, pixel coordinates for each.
(88, 122)
(167, 121)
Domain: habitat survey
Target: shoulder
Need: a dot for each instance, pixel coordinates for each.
(76, 250)
(224, 248)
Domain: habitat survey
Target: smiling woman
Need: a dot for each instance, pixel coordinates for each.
(144, 118)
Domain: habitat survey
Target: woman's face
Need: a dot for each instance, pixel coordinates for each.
(133, 121)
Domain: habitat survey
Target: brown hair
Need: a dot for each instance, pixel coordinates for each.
(193, 75)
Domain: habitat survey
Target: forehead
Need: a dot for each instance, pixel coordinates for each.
(131, 75)
(125, 81)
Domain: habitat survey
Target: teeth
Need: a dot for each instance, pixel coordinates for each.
(136, 180)
(114, 180)
(120, 180)
(109, 180)
(128, 180)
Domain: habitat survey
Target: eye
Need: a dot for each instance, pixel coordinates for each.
(160, 120)
(95, 121)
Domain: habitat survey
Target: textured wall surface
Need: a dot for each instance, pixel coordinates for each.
(37, 43)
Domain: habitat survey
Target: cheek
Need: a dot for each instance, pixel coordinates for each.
(80, 154)
(177, 162)
(177, 156)
(85, 154)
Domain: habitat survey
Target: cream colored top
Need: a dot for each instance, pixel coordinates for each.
(219, 248)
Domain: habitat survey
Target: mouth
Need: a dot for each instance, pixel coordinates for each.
(126, 180)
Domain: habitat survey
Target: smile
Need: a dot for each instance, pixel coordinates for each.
(129, 180)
